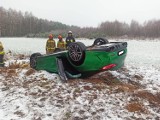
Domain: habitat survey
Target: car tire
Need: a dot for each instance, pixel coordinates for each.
(33, 60)
(76, 53)
(100, 41)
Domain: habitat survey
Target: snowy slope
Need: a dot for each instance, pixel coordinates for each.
(132, 92)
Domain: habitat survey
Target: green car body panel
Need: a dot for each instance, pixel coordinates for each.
(49, 62)
(94, 61)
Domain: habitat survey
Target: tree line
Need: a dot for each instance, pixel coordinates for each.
(15, 23)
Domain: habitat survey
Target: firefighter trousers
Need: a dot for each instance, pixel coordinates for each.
(1, 61)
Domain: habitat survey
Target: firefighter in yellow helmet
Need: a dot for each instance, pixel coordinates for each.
(61, 44)
(50, 45)
(1, 55)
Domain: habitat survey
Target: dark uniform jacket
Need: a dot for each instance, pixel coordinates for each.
(69, 39)
(1, 55)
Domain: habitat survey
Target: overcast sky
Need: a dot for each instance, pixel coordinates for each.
(87, 13)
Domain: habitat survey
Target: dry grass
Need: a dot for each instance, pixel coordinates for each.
(151, 98)
(103, 78)
(94, 80)
(13, 68)
(136, 107)
(30, 72)
(25, 65)
(8, 73)
(11, 72)
(16, 65)
(126, 88)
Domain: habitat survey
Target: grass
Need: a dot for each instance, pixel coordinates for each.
(151, 98)
(136, 107)
(30, 72)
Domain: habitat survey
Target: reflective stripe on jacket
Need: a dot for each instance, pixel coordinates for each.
(2, 53)
(69, 39)
(61, 44)
(1, 49)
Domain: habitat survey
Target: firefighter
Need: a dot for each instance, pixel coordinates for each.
(1, 55)
(69, 38)
(61, 44)
(50, 45)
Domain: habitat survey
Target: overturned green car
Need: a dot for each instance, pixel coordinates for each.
(82, 61)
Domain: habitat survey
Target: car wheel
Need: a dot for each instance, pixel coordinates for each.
(33, 60)
(76, 53)
(100, 41)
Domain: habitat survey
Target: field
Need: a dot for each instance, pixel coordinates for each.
(132, 92)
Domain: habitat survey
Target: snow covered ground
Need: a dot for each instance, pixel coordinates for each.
(132, 92)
